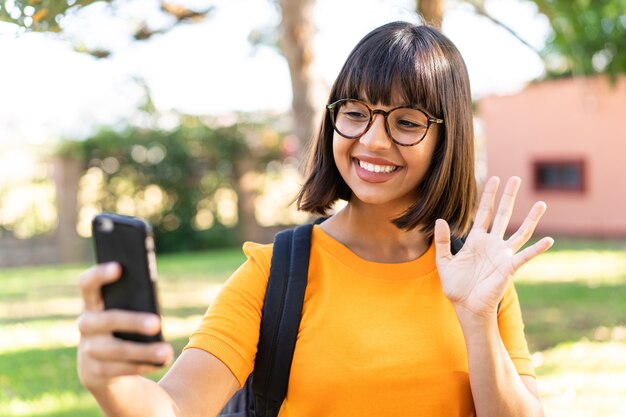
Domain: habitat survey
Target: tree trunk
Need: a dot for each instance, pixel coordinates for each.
(246, 188)
(431, 11)
(296, 43)
(67, 173)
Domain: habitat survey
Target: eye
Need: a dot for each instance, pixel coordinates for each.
(408, 119)
(407, 124)
(354, 114)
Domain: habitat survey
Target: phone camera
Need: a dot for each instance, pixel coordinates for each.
(105, 225)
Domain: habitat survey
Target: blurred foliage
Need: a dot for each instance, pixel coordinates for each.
(39, 15)
(175, 178)
(26, 192)
(27, 208)
(589, 37)
(48, 16)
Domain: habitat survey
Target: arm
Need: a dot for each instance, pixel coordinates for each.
(183, 391)
(475, 281)
(497, 388)
(197, 385)
(195, 374)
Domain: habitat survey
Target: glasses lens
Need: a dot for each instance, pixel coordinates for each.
(407, 125)
(351, 118)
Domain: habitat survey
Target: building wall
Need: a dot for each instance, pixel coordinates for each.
(569, 119)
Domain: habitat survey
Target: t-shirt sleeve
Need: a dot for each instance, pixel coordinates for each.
(512, 332)
(230, 328)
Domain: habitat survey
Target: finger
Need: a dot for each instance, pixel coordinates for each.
(107, 322)
(530, 252)
(485, 207)
(92, 280)
(442, 240)
(111, 369)
(106, 348)
(525, 231)
(505, 208)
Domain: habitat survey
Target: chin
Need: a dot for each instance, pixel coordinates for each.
(378, 200)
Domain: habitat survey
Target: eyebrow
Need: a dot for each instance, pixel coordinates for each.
(397, 106)
(363, 98)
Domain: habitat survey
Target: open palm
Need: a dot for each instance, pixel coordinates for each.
(477, 276)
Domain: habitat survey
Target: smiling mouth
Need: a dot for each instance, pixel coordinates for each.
(377, 169)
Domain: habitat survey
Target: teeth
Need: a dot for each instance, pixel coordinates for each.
(377, 168)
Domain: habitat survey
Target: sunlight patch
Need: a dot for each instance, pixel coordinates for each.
(48, 404)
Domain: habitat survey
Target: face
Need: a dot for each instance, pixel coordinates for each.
(380, 172)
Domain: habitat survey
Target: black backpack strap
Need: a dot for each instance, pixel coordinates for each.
(282, 311)
(456, 243)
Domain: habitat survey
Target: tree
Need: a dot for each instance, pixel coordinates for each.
(297, 31)
(48, 16)
(589, 37)
(431, 11)
(178, 179)
(481, 10)
(293, 38)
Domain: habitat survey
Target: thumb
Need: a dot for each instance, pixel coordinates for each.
(442, 240)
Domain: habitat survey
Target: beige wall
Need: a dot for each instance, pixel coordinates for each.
(563, 119)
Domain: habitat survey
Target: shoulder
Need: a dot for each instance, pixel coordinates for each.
(288, 242)
(259, 254)
(254, 250)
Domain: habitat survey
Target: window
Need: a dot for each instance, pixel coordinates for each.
(560, 175)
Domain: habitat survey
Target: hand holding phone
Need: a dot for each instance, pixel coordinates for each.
(129, 242)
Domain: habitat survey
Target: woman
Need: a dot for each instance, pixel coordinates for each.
(393, 323)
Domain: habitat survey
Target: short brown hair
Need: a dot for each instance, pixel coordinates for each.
(427, 69)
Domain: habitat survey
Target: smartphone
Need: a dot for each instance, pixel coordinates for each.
(129, 242)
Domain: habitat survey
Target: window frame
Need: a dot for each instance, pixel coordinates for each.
(580, 165)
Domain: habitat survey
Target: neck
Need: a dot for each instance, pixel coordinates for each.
(367, 231)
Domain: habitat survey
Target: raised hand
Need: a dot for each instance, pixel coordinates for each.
(476, 278)
(102, 357)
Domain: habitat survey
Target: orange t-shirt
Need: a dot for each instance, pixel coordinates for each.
(375, 339)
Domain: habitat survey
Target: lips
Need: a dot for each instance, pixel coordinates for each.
(374, 170)
(386, 169)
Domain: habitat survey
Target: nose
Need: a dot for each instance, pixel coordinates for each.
(376, 137)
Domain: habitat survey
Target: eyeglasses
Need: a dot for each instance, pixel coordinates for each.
(406, 126)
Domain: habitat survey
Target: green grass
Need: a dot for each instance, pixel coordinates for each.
(573, 300)
(38, 311)
(577, 290)
(557, 313)
(574, 304)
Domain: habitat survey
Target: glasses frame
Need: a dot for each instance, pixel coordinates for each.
(373, 112)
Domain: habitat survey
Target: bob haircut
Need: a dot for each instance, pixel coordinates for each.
(425, 69)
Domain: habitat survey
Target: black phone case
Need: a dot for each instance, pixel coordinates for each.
(128, 241)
